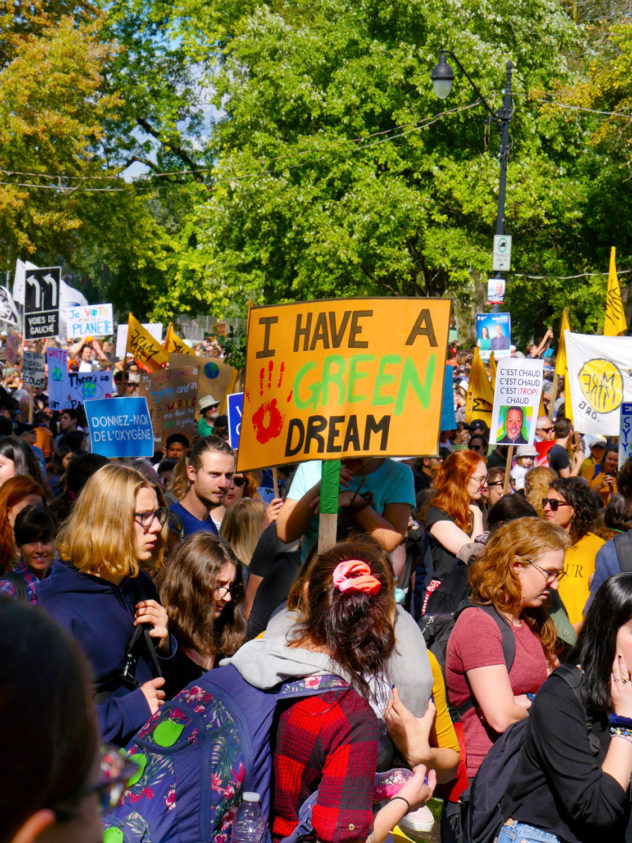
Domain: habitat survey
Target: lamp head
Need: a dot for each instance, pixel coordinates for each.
(442, 77)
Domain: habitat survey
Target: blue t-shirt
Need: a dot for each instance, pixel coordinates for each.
(190, 523)
(392, 482)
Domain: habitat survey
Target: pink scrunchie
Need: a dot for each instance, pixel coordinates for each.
(355, 575)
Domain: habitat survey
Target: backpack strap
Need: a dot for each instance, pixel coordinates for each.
(572, 676)
(623, 546)
(508, 642)
(18, 583)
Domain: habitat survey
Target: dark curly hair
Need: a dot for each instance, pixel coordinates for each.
(577, 493)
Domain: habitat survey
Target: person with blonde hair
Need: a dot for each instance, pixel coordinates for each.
(99, 593)
(202, 592)
(536, 484)
(242, 526)
(511, 584)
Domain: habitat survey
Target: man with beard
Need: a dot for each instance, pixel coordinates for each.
(210, 468)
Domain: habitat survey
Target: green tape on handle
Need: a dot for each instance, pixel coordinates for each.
(329, 486)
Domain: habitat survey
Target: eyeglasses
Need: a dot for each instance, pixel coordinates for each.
(495, 483)
(239, 480)
(234, 589)
(482, 481)
(554, 504)
(545, 429)
(146, 519)
(548, 575)
(116, 772)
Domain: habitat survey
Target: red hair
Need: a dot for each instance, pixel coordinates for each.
(451, 486)
(12, 492)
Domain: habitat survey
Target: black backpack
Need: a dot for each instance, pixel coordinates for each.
(482, 808)
(623, 546)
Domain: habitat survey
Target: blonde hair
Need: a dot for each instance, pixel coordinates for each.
(242, 525)
(537, 482)
(99, 535)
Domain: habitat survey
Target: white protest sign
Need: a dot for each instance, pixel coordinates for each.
(33, 369)
(154, 328)
(516, 401)
(92, 320)
(625, 434)
(600, 378)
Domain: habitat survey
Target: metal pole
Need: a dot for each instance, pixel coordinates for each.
(502, 119)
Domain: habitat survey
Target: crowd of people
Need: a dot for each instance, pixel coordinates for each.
(124, 582)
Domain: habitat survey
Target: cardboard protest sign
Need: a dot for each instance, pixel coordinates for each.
(153, 328)
(171, 399)
(516, 401)
(235, 407)
(93, 320)
(120, 427)
(173, 343)
(600, 380)
(625, 432)
(214, 376)
(33, 369)
(493, 334)
(326, 379)
(149, 354)
(13, 345)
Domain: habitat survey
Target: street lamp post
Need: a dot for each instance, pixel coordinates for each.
(442, 77)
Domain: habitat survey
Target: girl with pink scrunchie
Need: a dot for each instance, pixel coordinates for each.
(329, 743)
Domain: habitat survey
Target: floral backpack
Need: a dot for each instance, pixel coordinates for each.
(197, 755)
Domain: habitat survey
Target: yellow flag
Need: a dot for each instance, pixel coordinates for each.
(560, 360)
(149, 354)
(480, 394)
(174, 344)
(614, 324)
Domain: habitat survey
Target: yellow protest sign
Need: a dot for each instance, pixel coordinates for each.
(329, 379)
(149, 354)
(173, 343)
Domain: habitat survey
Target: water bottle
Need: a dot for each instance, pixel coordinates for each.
(250, 824)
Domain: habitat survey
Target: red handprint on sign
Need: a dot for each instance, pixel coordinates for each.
(267, 419)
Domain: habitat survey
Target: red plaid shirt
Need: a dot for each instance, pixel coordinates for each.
(326, 743)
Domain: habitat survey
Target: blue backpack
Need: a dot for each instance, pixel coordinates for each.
(197, 755)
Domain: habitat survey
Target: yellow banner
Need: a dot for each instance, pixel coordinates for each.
(480, 394)
(149, 354)
(330, 379)
(615, 323)
(560, 359)
(173, 343)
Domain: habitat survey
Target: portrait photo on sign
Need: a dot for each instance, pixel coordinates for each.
(493, 334)
(495, 290)
(514, 425)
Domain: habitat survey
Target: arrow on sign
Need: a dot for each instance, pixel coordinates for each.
(50, 280)
(38, 292)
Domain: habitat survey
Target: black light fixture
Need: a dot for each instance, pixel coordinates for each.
(442, 77)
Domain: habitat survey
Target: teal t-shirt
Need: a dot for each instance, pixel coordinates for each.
(392, 482)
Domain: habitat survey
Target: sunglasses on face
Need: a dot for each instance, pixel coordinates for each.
(238, 480)
(553, 504)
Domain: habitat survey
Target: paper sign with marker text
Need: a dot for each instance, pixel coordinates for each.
(625, 435)
(120, 427)
(34, 369)
(516, 401)
(330, 379)
(92, 320)
(171, 397)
